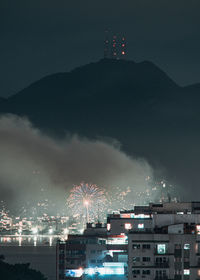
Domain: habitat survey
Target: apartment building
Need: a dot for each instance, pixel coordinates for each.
(158, 241)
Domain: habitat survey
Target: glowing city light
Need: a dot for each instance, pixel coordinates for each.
(50, 231)
(34, 230)
(65, 231)
(128, 226)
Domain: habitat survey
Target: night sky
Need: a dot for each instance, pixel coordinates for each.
(40, 37)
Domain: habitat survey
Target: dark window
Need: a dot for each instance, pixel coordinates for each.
(177, 246)
(146, 246)
(136, 272)
(146, 272)
(161, 260)
(146, 259)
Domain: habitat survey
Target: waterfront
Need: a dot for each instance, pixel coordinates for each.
(39, 251)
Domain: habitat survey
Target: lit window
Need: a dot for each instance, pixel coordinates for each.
(74, 272)
(126, 216)
(186, 246)
(161, 249)
(106, 269)
(128, 226)
(140, 226)
(140, 216)
(186, 272)
(198, 272)
(198, 229)
(136, 246)
(108, 227)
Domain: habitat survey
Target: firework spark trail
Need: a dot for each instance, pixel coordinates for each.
(87, 200)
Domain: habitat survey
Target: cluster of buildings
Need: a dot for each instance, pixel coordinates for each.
(17, 225)
(159, 241)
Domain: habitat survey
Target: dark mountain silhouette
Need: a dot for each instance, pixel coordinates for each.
(19, 271)
(135, 103)
(108, 90)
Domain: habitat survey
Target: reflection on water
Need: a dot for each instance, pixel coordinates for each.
(28, 240)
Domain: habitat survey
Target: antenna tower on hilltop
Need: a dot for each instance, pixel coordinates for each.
(115, 47)
(123, 47)
(106, 44)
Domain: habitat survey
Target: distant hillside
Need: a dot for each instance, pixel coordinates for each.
(98, 90)
(135, 103)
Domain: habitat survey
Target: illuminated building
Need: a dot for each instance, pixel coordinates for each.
(167, 246)
(92, 254)
(155, 242)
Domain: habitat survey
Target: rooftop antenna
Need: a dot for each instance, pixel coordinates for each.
(106, 44)
(98, 221)
(123, 47)
(169, 197)
(114, 47)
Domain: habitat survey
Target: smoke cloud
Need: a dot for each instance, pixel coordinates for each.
(32, 163)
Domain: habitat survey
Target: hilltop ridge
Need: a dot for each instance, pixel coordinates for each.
(137, 104)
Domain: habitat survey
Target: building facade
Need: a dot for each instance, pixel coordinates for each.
(159, 241)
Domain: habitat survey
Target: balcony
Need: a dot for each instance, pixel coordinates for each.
(162, 265)
(177, 277)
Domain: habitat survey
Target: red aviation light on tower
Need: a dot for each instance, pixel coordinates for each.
(114, 46)
(123, 47)
(114, 51)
